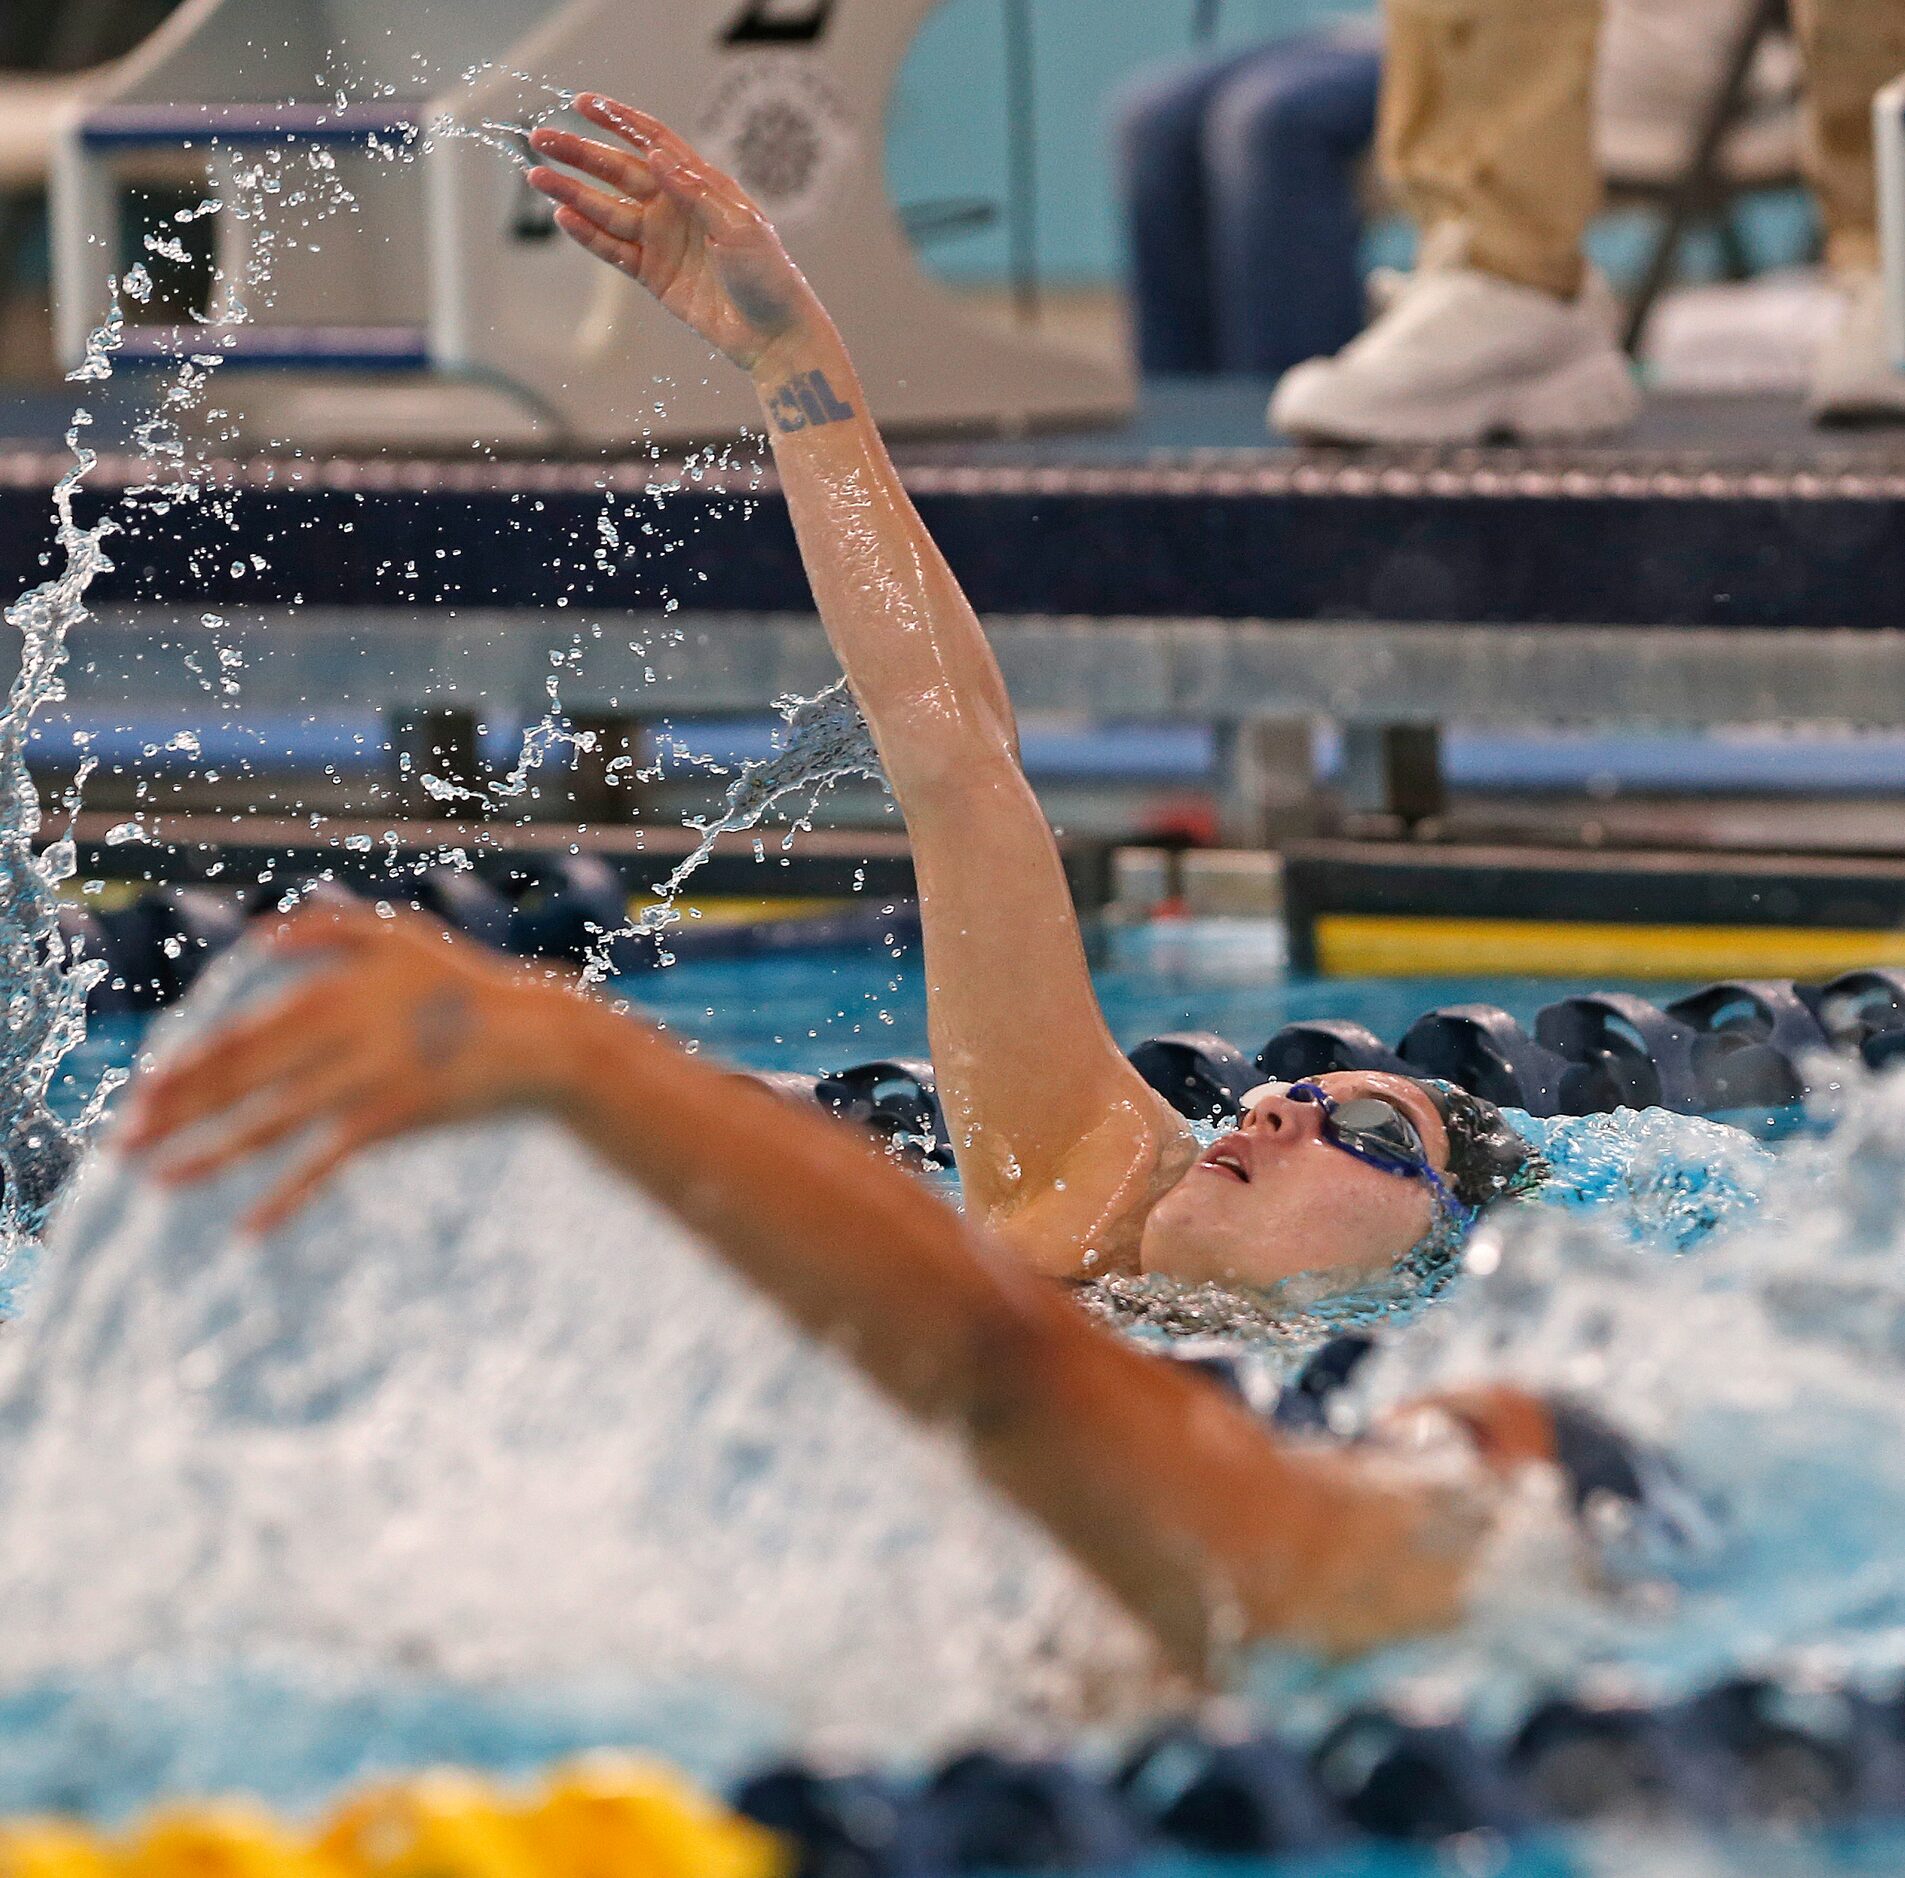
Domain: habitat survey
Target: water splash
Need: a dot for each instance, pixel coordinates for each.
(46, 979)
(435, 1432)
(828, 742)
(1667, 1181)
(1770, 1365)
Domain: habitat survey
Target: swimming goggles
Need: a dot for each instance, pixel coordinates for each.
(1372, 1130)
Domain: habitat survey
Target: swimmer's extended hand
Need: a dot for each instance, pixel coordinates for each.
(410, 1027)
(690, 234)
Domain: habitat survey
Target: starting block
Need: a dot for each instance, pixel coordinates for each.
(443, 308)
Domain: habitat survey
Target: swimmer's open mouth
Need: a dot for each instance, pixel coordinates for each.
(1224, 1159)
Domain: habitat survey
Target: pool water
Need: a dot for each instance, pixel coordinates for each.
(829, 1011)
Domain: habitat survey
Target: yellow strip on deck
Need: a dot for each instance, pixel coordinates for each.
(734, 910)
(1399, 945)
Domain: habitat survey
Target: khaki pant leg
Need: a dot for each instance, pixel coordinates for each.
(1852, 47)
(1486, 131)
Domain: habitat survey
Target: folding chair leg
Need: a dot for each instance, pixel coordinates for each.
(1700, 184)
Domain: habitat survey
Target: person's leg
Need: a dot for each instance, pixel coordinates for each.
(1852, 49)
(1486, 132)
(1160, 130)
(1484, 127)
(1283, 141)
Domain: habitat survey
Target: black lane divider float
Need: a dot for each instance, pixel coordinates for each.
(1749, 1750)
(1739, 1045)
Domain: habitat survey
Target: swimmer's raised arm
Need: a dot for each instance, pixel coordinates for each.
(1061, 1145)
(1210, 1528)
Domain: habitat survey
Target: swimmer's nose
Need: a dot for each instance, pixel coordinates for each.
(1272, 1109)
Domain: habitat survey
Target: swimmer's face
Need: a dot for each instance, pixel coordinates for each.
(1275, 1198)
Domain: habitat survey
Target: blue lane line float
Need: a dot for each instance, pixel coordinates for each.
(1748, 1750)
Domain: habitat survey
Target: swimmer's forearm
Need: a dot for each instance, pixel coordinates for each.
(856, 1251)
(1197, 1517)
(913, 648)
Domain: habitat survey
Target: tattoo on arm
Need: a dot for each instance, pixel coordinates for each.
(806, 403)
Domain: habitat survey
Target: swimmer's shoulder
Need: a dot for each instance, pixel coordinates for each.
(1088, 1220)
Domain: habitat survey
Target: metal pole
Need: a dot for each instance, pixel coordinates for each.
(1204, 22)
(1021, 79)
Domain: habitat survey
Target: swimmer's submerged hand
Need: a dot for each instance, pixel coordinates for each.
(407, 1027)
(661, 213)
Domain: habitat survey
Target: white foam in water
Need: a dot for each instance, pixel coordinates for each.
(1769, 1364)
(485, 1415)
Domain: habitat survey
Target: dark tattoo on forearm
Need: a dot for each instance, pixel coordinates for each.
(439, 1027)
(806, 403)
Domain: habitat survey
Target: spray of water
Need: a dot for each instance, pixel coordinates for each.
(46, 980)
(487, 1420)
(828, 743)
(1768, 1362)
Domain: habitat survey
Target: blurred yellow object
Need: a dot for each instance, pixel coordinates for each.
(442, 1824)
(617, 1816)
(216, 1841)
(51, 1848)
(606, 1816)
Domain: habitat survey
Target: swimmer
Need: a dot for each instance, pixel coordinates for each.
(1214, 1526)
(1064, 1152)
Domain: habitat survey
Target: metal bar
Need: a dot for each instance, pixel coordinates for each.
(331, 348)
(1021, 75)
(148, 126)
(1166, 670)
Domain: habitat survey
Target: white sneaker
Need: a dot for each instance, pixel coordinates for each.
(1460, 355)
(1855, 379)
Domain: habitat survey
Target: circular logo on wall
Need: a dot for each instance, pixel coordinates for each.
(782, 132)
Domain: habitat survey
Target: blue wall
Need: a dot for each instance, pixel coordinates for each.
(947, 133)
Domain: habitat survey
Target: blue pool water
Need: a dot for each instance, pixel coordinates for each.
(825, 1012)
(434, 1366)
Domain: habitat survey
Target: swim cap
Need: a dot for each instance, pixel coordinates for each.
(1488, 1160)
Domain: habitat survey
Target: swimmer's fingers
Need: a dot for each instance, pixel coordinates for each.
(614, 214)
(274, 1120)
(340, 925)
(621, 170)
(1508, 1427)
(239, 1061)
(350, 929)
(349, 1139)
(623, 254)
(677, 167)
(646, 135)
